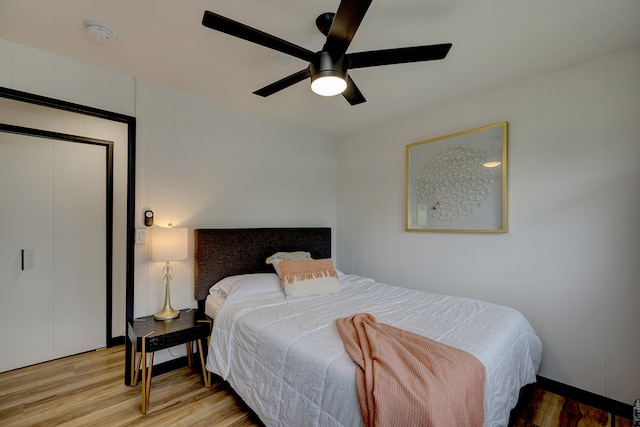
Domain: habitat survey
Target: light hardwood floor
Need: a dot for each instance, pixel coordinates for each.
(89, 390)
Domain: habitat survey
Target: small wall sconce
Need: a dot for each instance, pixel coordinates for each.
(148, 218)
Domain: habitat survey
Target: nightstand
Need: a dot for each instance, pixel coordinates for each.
(148, 335)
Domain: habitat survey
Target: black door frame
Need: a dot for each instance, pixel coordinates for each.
(131, 166)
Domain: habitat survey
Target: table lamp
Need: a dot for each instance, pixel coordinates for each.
(168, 244)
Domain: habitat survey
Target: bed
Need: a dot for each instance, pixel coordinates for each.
(285, 358)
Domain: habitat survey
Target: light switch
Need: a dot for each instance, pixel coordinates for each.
(141, 236)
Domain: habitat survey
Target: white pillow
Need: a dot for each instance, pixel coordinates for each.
(245, 284)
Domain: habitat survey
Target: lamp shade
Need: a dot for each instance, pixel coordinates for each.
(169, 244)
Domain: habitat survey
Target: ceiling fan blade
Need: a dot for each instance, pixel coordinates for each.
(352, 94)
(236, 29)
(398, 56)
(347, 20)
(284, 83)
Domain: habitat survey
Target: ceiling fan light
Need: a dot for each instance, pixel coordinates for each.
(329, 84)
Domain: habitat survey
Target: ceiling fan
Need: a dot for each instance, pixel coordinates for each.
(328, 68)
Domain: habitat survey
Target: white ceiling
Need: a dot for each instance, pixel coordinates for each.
(495, 43)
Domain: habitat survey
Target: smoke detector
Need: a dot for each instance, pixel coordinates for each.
(99, 31)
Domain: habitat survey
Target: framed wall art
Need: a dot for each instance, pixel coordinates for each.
(458, 182)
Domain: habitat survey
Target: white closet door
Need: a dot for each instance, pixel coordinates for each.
(79, 245)
(52, 206)
(26, 219)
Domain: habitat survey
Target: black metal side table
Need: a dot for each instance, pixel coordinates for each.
(148, 335)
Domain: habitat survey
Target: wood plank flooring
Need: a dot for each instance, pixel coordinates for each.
(89, 390)
(541, 408)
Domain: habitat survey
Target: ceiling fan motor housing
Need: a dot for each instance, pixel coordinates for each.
(324, 65)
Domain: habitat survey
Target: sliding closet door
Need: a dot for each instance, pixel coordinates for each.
(53, 248)
(26, 258)
(79, 245)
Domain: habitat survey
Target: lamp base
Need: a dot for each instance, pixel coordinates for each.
(166, 314)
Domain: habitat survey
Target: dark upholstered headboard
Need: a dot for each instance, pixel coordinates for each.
(229, 251)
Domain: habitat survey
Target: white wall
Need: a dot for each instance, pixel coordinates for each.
(30, 70)
(204, 166)
(570, 261)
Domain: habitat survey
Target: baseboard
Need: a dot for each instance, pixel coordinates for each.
(592, 399)
(114, 341)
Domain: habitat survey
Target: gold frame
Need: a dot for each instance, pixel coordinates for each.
(448, 189)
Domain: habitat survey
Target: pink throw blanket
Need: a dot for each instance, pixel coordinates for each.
(405, 379)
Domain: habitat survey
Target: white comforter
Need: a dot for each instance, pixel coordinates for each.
(287, 361)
